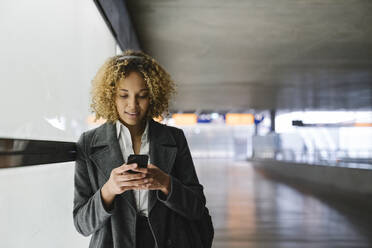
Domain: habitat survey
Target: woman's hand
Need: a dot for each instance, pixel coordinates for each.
(155, 179)
(120, 181)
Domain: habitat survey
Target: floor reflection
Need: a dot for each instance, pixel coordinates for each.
(250, 210)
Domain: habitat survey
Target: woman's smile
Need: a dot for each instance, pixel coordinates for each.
(132, 115)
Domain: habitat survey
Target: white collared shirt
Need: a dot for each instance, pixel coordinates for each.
(126, 146)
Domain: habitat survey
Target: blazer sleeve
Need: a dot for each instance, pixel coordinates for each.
(89, 213)
(186, 196)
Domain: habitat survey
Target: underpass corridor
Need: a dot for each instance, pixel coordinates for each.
(252, 211)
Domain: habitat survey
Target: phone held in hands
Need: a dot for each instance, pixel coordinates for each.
(140, 159)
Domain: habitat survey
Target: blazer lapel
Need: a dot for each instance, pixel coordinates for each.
(163, 151)
(106, 155)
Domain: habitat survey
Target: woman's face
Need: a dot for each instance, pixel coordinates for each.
(132, 99)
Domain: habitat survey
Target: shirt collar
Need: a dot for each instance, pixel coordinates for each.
(122, 128)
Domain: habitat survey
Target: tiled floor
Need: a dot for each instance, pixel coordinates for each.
(249, 210)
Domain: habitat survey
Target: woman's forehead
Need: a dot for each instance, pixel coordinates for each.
(133, 81)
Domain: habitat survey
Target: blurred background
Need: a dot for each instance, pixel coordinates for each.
(275, 98)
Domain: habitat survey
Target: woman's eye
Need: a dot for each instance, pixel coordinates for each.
(145, 96)
(124, 96)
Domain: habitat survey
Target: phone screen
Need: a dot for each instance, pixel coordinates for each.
(140, 159)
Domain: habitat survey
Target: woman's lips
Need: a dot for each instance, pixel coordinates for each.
(132, 115)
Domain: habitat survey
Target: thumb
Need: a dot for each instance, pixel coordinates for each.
(151, 166)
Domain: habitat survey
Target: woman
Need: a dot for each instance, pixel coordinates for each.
(150, 208)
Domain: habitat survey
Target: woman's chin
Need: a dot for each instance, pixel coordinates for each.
(132, 121)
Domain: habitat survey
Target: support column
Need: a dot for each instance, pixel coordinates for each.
(272, 119)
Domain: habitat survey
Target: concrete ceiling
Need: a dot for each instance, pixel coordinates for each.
(261, 54)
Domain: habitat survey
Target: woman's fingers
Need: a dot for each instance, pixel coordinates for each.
(125, 167)
(133, 183)
(151, 169)
(134, 167)
(141, 183)
(130, 177)
(145, 178)
(150, 186)
(152, 166)
(142, 170)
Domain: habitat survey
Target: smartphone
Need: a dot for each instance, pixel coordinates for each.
(140, 159)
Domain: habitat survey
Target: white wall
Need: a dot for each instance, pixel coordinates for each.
(49, 53)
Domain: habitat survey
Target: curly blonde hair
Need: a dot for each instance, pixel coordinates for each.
(104, 85)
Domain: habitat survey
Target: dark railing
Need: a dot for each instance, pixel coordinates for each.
(343, 158)
(25, 152)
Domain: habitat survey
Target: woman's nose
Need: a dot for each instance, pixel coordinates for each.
(132, 102)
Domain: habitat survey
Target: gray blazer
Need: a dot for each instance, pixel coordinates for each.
(98, 153)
